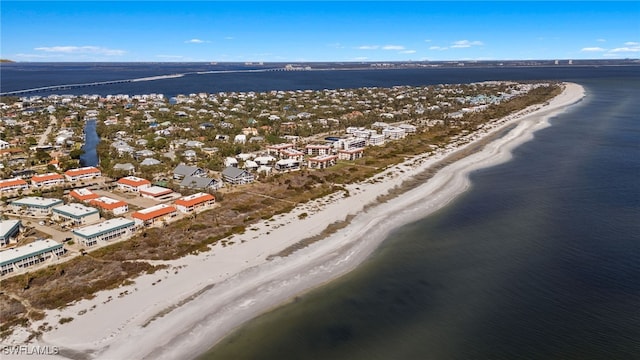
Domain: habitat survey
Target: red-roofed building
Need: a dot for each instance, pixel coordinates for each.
(351, 154)
(84, 195)
(154, 214)
(195, 202)
(276, 149)
(88, 172)
(315, 150)
(50, 179)
(116, 207)
(322, 161)
(133, 183)
(12, 185)
(155, 192)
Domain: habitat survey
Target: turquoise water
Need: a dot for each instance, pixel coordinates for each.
(539, 260)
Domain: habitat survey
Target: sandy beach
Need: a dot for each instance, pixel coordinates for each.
(182, 311)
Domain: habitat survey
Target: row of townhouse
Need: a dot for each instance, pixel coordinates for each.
(50, 179)
(18, 258)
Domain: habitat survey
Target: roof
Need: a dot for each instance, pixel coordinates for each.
(47, 177)
(280, 146)
(108, 203)
(133, 181)
(323, 158)
(22, 252)
(351, 151)
(103, 227)
(125, 166)
(195, 182)
(37, 201)
(82, 171)
(314, 146)
(194, 199)
(83, 194)
(233, 172)
(75, 210)
(154, 212)
(156, 191)
(186, 170)
(7, 226)
(12, 182)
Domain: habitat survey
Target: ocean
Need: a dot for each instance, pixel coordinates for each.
(539, 259)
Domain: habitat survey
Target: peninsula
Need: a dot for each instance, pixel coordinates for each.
(276, 229)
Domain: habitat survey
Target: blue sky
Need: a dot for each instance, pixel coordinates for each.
(293, 31)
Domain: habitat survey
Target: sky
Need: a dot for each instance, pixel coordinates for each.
(297, 31)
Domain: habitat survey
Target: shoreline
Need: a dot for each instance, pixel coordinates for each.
(183, 311)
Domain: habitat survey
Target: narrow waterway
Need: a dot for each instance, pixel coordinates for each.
(91, 141)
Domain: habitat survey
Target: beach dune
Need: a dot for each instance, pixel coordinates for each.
(182, 311)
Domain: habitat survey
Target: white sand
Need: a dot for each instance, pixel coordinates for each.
(236, 283)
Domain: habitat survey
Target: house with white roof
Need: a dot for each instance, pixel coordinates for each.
(9, 229)
(39, 251)
(35, 205)
(76, 214)
(105, 232)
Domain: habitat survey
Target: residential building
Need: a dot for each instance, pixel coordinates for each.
(4, 145)
(154, 214)
(88, 172)
(50, 179)
(292, 154)
(322, 161)
(408, 128)
(237, 176)
(15, 184)
(181, 171)
(315, 150)
(351, 154)
(195, 202)
(394, 133)
(376, 140)
(116, 207)
(132, 184)
(287, 165)
(155, 192)
(76, 214)
(201, 183)
(277, 149)
(84, 194)
(8, 230)
(104, 232)
(18, 258)
(35, 205)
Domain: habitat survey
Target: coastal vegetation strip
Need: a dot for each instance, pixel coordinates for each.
(117, 264)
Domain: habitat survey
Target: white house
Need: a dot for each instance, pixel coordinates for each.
(104, 232)
(18, 258)
(77, 214)
(132, 183)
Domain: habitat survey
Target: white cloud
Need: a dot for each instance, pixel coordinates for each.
(37, 56)
(170, 56)
(229, 38)
(601, 40)
(195, 41)
(625, 49)
(465, 44)
(439, 48)
(95, 50)
(360, 58)
(393, 47)
(632, 43)
(592, 49)
(368, 47)
(408, 52)
(428, 41)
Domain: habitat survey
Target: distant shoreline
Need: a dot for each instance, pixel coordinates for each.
(203, 298)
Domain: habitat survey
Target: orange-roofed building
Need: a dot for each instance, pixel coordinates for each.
(133, 183)
(154, 214)
(195, 202)
(84, 195)
(116, 207)
(50, 179)
(88, 172)
(12, 185)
